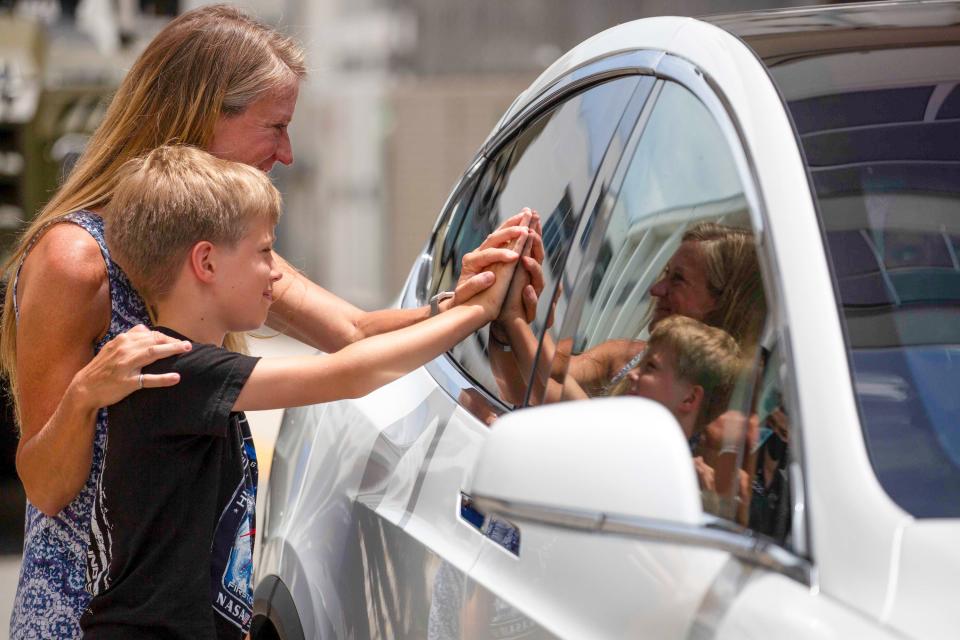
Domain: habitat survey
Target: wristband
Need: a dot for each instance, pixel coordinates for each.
(495, 341)
(437, 299)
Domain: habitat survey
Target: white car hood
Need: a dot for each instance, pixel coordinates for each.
(924, 596)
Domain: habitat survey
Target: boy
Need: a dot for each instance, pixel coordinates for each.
(172, 532)
(691, 369)
(688, 367)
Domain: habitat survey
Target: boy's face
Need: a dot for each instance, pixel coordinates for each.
(656, 379)
(245, 283)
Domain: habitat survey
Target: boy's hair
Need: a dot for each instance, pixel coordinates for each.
(173, 197)
(704, 356)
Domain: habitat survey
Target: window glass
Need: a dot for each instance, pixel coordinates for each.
(673, 309)
(679, 175)
(882, 154)
(549, 167)
(444, 240)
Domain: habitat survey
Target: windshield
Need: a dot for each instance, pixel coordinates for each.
(880, 130)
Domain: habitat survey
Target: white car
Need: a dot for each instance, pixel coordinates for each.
(446, 505)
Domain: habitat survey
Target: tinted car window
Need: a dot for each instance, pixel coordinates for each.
(549, 166)
(882, 152)
(681, 190)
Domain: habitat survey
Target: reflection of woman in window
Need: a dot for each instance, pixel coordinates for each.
(714, 277)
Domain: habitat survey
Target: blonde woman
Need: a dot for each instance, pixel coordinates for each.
(73, 338)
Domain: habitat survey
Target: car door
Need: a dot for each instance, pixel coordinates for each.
(413, 541)
(682, 166)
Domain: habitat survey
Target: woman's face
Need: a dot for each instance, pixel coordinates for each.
(258, 136)
(683, 290)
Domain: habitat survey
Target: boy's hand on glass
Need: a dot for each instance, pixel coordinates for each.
(499, 295)
(499, 247)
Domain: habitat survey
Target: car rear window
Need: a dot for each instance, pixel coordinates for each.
(880, 131)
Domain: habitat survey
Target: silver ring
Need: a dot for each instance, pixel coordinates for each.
(140, 381)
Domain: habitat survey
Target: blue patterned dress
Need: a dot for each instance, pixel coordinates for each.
(51, 594)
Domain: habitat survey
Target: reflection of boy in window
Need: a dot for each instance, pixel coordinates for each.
(688, 367)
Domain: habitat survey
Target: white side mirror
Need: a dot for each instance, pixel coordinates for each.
(624, 456)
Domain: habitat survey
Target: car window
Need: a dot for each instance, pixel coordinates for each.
(550, 167)
(441, 253)
(885, 166)
(673, 309)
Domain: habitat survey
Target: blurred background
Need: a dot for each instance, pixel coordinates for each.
(400, 95)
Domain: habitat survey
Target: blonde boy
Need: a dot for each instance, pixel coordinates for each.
(688, 367)
(172, 531)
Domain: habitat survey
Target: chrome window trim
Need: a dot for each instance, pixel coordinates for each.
(452, 379)
(717, 534)
(629, 63)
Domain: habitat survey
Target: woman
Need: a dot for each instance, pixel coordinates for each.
(214, 78)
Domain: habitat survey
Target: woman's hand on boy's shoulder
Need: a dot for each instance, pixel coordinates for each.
(116, 371)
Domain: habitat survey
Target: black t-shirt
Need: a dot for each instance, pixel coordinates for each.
(172, 531)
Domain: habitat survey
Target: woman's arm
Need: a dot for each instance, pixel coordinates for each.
(64, 302)
(311, 314)
(594, 368)
(367, 364)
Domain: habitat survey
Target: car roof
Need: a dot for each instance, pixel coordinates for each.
(785, 34)
(775, 36)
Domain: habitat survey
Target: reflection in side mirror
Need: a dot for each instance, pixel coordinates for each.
(624, 456)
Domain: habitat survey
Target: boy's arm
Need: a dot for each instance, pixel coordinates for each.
(361, 367)
(365, 365)
(524, 345)
(311, 314)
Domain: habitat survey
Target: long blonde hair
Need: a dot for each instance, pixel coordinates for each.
(733, 278)
(212, 61)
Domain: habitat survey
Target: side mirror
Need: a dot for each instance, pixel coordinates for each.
(613, 465)
(618, 456)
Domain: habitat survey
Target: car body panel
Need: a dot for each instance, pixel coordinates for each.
(364, 517)
(641, 588)
(771, 606)
(923, 599)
